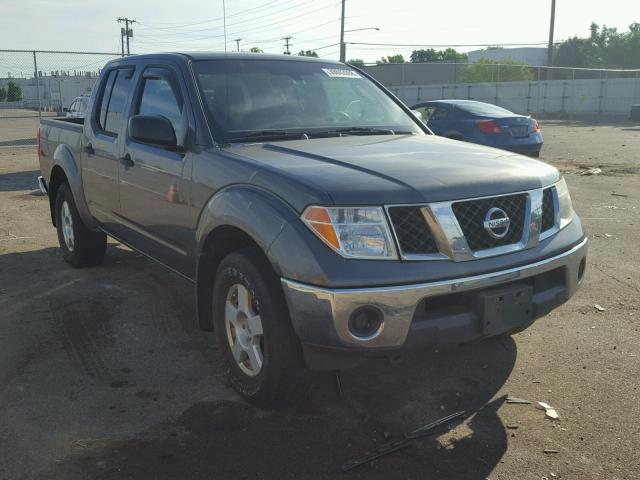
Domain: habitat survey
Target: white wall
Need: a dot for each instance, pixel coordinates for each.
(528, 55)
(608, 96)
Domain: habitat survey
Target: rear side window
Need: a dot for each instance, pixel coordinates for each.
(160, 98)
(114, 97)
(106, 95)
(116, 104)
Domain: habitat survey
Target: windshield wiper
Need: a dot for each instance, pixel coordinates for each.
(269, 135)
(361, 131)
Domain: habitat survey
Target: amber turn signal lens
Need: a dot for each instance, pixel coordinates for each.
(319, 220)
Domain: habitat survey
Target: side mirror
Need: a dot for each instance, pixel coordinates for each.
(153, 129)
(417, 114)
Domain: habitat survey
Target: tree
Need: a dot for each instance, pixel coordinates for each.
(604, 48)
(256, 50)
(398, 58)
(423, 56)
(308, 53)
(496, 71)
(14, 92)
(356, 62)
(3, 94)
(431, 55)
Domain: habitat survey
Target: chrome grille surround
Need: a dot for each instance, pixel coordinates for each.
(449, 236)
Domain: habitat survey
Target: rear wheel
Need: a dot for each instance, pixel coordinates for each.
(80, 246)
(262, 355)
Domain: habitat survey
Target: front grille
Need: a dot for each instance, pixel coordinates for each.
(548, 210)
(471, 215)
(412, 231)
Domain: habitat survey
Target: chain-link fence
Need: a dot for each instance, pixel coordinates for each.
(42, 83)
(439, 73)
(520, 88)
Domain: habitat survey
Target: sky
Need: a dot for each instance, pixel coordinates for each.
(192, 25)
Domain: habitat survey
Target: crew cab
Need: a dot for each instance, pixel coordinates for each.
(319, 220)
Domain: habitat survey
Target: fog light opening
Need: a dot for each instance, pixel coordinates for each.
(581, 269)
(366, 323)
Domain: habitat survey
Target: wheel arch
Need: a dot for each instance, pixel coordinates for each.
(238, 217)
(66, 170)
(57, 178)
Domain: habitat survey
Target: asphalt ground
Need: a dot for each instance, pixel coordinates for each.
(104, 375)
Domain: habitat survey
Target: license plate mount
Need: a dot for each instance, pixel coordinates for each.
(520, 131)
(504, 308)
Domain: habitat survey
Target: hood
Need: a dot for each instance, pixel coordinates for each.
(385, 169)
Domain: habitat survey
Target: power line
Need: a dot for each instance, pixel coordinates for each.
(254, 29)
(446, 45)
(248, 21)
(210, 20)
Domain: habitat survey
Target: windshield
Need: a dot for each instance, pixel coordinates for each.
(253, 97)
(484, 109)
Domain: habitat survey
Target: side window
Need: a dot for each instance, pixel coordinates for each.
(104, 101)
(160, 96)
(117, 102)
(426, 112)
(441, 113)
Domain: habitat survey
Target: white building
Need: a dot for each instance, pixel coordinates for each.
(532, 56)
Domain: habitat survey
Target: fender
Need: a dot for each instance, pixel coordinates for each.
(258, 213)
(64, 158)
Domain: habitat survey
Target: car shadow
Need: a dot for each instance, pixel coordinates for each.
(316, 436)
(12, 182)
(216, 434)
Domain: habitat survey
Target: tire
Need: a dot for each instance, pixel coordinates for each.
(247, 299)
(80, 246)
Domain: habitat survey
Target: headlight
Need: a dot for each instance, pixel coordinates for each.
(564, 202)
(353, 232)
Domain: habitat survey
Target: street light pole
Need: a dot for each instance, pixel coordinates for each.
(550, 47)
(342, 46)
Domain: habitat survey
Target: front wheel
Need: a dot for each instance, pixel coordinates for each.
(80, 246)
(261, 352)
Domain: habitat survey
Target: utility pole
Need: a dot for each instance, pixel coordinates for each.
(127, 31)
(550, 47)
(122, 40)
(287, 44)
(343, 52)
(237, 40)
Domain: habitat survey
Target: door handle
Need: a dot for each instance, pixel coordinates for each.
(88, 149)
(126, 160)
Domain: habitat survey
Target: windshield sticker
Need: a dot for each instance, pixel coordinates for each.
(341, 73)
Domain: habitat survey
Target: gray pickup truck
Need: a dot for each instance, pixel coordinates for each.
(319, 220)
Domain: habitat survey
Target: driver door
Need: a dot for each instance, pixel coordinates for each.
(155, 180)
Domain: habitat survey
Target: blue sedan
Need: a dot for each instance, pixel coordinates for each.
(482, 123)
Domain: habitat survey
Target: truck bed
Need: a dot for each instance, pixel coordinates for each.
(59, 131)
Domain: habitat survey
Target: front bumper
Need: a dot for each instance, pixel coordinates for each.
(434, 313)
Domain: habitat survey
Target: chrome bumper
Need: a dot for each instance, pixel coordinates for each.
(319, 314)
